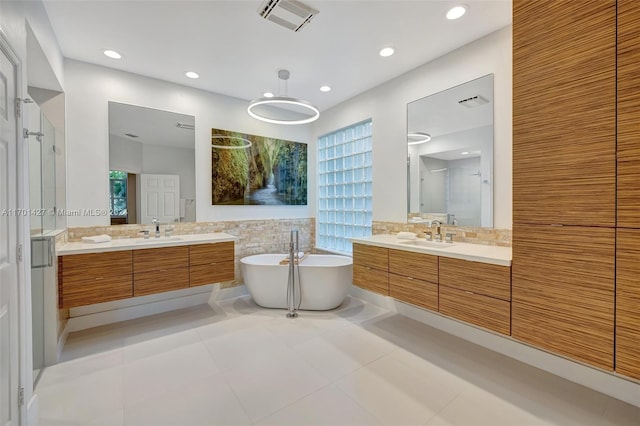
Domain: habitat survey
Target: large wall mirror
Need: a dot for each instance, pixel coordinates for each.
(151, 165)
(450, 155)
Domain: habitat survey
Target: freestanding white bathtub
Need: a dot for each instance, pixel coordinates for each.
(324, 280)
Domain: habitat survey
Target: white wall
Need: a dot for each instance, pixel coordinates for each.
(88, 90)
(387, 106)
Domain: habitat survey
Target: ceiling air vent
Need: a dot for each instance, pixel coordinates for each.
(290, 14)
(473, 101)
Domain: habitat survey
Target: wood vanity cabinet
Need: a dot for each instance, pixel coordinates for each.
(371, 268)
(85, 279)
(211, 263)
(413, 278)
(156, 270)
(477, 293)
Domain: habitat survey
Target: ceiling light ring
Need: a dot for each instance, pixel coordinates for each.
(418, 138)
(283, 100)
(247, 143)
(283, 75)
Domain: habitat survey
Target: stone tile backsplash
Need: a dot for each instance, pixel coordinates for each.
(474, 235)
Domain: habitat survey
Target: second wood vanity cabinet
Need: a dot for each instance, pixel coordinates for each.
(85, 279)
(413, 278)
(157, 270)
(371, 268)
(211, 263)
(478, 293)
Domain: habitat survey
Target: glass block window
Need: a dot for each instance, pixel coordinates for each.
(344, 187)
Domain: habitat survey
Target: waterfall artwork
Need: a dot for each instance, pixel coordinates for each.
(257, 170)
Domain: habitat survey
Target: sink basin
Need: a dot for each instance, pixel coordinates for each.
(152, 240)
(429, 244)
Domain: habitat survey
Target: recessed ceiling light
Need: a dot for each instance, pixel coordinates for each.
(465, 153)
(456, 12)
(192, 74)
(325, 88)
(387, 51)
(268, 95)
(112, 54)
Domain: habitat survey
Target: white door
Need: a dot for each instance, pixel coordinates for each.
(159, 198)
(9, 328)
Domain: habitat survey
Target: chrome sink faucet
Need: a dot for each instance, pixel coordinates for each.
(438, 235)
(156, 222)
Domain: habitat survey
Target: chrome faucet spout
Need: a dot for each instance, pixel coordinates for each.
(156, 222)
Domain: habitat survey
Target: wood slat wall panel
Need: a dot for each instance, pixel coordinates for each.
(487, 312)
(102, 289)
(96, 265)
(563, 290)
(205, 254)
(215, 272)
(371, 279)
(564, 88)
(373, 257)
(628, 114)
(628, 303)
(161, 280)
(567, 268)
(480, 278)
(577, 336)
(153, 259)
(416, 265)
(417, 292)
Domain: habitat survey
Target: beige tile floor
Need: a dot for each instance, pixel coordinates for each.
(238, 364)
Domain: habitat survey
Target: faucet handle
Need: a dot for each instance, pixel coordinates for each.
(448, 237)
(145, 233)
(428, 235)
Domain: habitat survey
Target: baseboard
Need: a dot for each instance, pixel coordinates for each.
(218, 294)
(605, 382)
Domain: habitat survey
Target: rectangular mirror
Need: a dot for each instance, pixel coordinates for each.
(151, 165)
(450, 155)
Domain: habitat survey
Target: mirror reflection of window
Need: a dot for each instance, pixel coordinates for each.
(118, 197)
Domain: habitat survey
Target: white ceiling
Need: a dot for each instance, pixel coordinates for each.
(237, 53)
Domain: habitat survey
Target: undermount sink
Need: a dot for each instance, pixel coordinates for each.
(429, 244)
(152, 240)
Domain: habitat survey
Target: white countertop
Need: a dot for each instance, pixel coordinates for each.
(141, 243)
(473, 252)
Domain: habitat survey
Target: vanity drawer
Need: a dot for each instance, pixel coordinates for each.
(87, 291)
(160, 280)
(154, 259)
(487, 312)
(476, 277)
(371, 256)
(371, 279)
(92, 266)
(205, 254)
(214, 272)
(417, 292)
(416, 265)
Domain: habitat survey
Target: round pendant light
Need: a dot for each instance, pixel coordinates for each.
(286, 101)
(416, 138)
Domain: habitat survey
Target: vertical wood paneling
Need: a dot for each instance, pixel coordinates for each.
(628, 303)
(628, 113)
(563, 290)
(564, 87)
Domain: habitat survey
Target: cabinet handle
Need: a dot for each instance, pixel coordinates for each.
(410, 278)
(99, 278)
(469, 292)
(368, 268)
